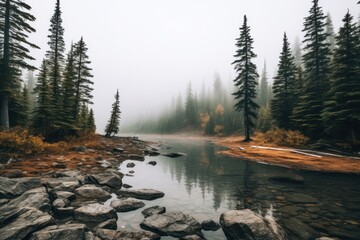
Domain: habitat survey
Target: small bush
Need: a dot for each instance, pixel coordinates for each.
(285, 138)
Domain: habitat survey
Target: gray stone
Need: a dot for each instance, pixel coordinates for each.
(60, 203)
(145, 193)
(300, 229)
(109, 179)
(192, 237)
(130, 165)
(153, 163)
(126, 204)
(245, 224)
(10, 188)
(210, 225)
(61, 232)
(92, 192)
(108, 224)
(126, 186)
(65, 195)
(153, 210)
(95, 213)
(175, 224)
(67, 184)
(106, 234)
(28, 221)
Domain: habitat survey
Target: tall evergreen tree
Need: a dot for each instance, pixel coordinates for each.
(113, 125)
(191, 113)
(296, 52)
(91, 127)
(55, 59)
(283, 88)
(83, 84)
(15, 18)
(342, 112)
(329, 29)
(264, 88)
(43, 108)
(246, 79)
(316, 75)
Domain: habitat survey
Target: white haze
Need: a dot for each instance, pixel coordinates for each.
(151, 49)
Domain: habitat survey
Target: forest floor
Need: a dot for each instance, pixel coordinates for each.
(259, 151)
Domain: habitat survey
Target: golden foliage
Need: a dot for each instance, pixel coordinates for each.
(218, 129)
(219, 110)
(283, 137)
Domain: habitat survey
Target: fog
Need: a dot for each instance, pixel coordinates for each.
(150, 50)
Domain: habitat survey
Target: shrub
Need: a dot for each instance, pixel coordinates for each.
(285, 137)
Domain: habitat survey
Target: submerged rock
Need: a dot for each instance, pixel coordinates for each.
(126, 204)
(174, 155)
(106, 234)
(95, 212)
(60, 232)
(245, 224)
(175, 224)
(153, 210)
(145, 193)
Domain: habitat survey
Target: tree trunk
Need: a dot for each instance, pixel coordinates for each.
(4, 113)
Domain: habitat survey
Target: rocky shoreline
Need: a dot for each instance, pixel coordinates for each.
(67, 202)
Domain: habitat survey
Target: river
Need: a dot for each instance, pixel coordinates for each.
(205, 184)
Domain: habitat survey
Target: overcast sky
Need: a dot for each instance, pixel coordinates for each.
(151, 49)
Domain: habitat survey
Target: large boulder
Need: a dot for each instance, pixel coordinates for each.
(107, 178)
(95, 212)
(145, 193)
(153, 210)
(245, 224)
(13, 187)
(126, 204)
(60, 232)
(175, 224)
(92, 192)
(28, 221)
(67, 184)
(106, 234)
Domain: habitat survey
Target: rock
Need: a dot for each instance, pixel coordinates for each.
(27, 221)
(10, 188)
(153, 210)
(61, 184)
(60, 203)
(58, 165)
(126, 204)
(145, 193)
(192, 237)
(152, 163)
(175, 224)
(95, 213)
(136, 157)
(210, 225)
(288, 178)
(300, 229)
(79, 149)
(118, 150)
(109, 179)
(151, 152)
(13, 173)
(174, 155)
(92, 192)
(65, 195)
(60, 232)
(126, 186)
(130, 165)
(33, 198)
(301, 198)
(91, 236)
(109, 224)
(106, 234)
(64, 212)
(245, 224)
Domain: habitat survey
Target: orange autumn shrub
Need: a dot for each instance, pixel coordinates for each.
(283, 137)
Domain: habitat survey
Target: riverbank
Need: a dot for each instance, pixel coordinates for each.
(259, 151)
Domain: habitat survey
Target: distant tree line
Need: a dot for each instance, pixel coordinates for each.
(56, 103)
(316, 89)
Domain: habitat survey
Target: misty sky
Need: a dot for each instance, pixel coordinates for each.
(151, 49)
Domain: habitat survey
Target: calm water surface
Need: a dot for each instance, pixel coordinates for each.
(205, 184)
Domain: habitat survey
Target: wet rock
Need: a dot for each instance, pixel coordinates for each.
(118, 150)
(153, 210)
(10, 188)
(145, 193)
(210, 225)
(245, 224)
(109, 178)
(109, 224)
(130, 165)
(153, 163)
(106, 234)
(92, 192)
(60, 232)
(60, 203)
(174, 155)
(300, 229)
(126, 204)
(175, 224)
(26, 222)
(65, 195)
(95, 213)
(301, 198)
(126, 186)
(136, 157)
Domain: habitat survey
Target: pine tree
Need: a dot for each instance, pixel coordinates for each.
(83, 74)
(283, 88)
(342, 112)
(296, 52)
(15, 26)
(263, 88)
(112, 127)
(30, 84)
(191, 113)
(246, 79)
(316, 74)
(91, 127)
(329, 29)
(42, 112)
(55, 61)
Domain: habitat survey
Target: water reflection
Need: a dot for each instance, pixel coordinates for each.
(205, 184)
